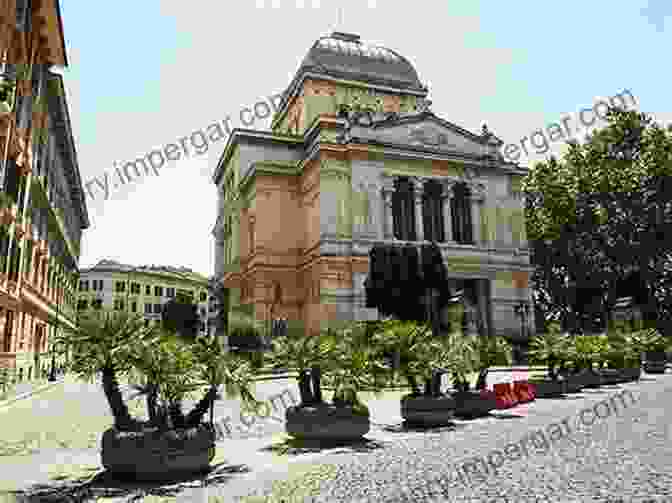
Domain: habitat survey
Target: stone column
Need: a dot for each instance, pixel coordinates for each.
(387, 221)
(477, 198)
(447, 217)
(418, 189)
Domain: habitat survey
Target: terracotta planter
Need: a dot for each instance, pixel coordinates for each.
(471, 404)
(427, 411)
(326, 422)
(155, 455)
(548, 388)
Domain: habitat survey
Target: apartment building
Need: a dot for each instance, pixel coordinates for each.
(42, 206)
(354, 157)
(141, 289)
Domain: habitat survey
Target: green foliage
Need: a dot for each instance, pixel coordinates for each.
(303, 352)
(103, 339)
(245, 331)
(591, 349)
(623, 351)
(354, 363)
(180, 315)
(492, 351)
(410, 341)
(600, 215)
(649, 340)
(551, 348)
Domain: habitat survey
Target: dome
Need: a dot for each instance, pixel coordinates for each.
(343, 55)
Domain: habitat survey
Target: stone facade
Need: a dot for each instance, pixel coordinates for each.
(302, 205)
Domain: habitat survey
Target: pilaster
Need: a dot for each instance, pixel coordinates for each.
(387, 190)
(418, 191)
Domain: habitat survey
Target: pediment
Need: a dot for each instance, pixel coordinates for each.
(430, 132)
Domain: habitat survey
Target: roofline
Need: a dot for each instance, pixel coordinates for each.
(238, 134)
(301, 77)
(125, 269)
(73, 150)
(62, 33)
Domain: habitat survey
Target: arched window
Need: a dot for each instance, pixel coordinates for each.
(403, 210)
(460, 207)
(432, 212)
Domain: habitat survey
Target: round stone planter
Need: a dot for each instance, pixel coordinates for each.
(612, 376)
(632, 374)
(548, 388)
(590, 379)
(427, 411)
(154, 455)
(573, 384)
(471, 404)
(326, 422)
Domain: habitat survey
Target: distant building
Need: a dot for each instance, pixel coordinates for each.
(354, 157)
(141, 289)
(42, 206)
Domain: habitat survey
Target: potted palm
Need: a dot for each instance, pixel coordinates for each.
(550, 349)
(342, 359)
(168, 369)
(650, 342)
(621, 358)
(477, 354)
(480, 353)
(590, 350)
(421, 359)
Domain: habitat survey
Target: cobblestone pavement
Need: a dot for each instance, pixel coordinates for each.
(55, 436)
(625, 455)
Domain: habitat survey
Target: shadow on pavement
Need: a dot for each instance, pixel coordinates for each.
(295, 447)
(106, 485)
(410, 428)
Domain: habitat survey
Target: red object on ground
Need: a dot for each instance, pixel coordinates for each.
(504, 395)
(522, 391)
(532, 389)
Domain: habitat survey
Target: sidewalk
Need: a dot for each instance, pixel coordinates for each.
(26, 389)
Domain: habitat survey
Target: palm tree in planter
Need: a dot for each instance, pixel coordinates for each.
(623, 359)
(551, 349)
(422, 360)
(589, 350)
(650, 342)
(169, 370)
(94, 346)
(342, 358)
(480, 353)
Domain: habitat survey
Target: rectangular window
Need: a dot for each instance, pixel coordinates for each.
(120, 286)
(97, 304)
(84, 286)
(170, 292)
(158, 291)
(119, 304)
(204, 297)
(134, 307)
(135, 288)
(148, 290)
(148, 308)
(157, 308)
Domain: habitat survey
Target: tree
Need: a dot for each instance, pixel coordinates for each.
(596, 221)
(180, 315)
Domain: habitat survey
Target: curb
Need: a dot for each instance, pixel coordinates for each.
(6, 403)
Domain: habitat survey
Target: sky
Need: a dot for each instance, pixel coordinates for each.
(144, 74)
